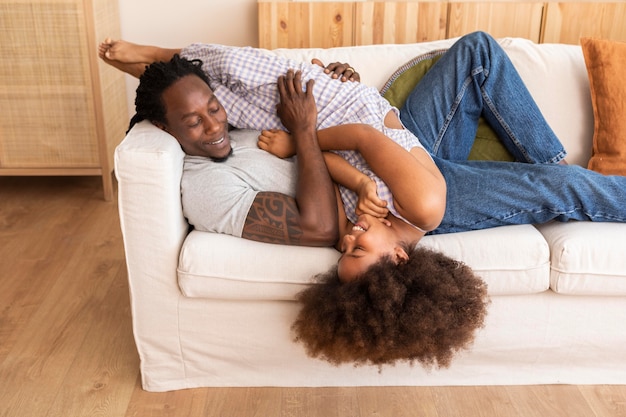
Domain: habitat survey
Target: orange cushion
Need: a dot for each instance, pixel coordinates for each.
(606, 66)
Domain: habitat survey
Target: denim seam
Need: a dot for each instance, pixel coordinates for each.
(453, 110)
(505, 218)
(505, 127)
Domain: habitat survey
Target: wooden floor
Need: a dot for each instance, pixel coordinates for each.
(66, 344)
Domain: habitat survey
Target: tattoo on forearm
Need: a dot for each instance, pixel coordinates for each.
(273, 218)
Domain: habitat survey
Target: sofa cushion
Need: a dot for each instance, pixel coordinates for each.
(587, 258)
(606, 65)
(362, 58)
(404, 79)
(565, 101)
(512, 260)
(486, 146)
(219, 266)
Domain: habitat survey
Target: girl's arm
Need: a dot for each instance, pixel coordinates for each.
(344, 224)
(418, 187)
(345, 174)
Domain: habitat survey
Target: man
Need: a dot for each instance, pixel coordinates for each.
(243, 80)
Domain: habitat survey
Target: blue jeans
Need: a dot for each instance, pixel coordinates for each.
(476, 78)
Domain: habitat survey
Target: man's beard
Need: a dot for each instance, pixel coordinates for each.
(224, 158)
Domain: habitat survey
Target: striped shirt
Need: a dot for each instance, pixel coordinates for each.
(244, 80)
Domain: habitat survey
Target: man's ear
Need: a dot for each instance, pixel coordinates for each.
(160, 125)
(400, 256)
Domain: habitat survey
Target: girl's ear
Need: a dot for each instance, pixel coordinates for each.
(400, 255)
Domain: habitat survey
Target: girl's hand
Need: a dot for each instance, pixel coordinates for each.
(368, 202)
(277, 142)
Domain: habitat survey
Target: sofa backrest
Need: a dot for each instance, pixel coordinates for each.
(555, 74)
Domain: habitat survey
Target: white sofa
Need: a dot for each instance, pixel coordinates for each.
(214, 310)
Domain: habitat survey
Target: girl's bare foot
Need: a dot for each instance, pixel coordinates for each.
(277, 142)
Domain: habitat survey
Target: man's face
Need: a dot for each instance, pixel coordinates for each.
(196, 118)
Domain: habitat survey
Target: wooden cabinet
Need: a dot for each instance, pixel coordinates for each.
(62, 110)
(317, 24)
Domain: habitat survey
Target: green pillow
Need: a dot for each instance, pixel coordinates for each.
(487, 146)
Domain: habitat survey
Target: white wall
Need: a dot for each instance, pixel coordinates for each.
(176, 23)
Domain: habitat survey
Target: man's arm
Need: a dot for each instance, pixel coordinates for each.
(274, 218)
(311, 218)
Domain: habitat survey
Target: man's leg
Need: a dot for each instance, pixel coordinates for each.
(476, 78)
(132, 58)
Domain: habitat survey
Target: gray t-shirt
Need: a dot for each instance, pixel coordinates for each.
(244, 80)
(217, 196)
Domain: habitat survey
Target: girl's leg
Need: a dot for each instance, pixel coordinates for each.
(484, 194)
(476, 78)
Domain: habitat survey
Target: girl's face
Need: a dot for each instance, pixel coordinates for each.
(369, 240)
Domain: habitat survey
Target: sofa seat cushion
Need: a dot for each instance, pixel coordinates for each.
(587, 258)
(512, 260)
(220, 266)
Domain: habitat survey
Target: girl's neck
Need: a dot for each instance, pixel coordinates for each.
(404, 231)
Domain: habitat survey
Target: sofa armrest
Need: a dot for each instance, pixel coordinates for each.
(148, 167)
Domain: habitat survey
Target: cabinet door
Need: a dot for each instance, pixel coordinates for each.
(305, 25)
(568, 22)
(500, 19)
(399, 22)
(45, 94)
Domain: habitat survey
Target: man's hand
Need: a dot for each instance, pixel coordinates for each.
(344, 71)
(296, 109)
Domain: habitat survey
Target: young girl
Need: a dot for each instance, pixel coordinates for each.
(474, 78)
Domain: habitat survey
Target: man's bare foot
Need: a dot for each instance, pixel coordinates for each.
(119, 55)
(122, 51)
(132, 58)
(277, 142)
